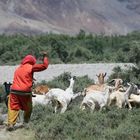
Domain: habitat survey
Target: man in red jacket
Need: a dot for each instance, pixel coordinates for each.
(20, 97)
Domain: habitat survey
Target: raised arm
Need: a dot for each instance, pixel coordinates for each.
(43, 66)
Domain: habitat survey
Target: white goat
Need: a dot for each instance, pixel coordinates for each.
(62, 98)
(134, 98)
(44, 98)
(122, 93)
(112, 98)
(122, 97)
(95, 98)
(70, 88)
(40, 99)
(42, 91)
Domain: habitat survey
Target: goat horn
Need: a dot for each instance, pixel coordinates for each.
(105, 74)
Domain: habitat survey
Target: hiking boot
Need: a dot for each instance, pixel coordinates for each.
(14, 127)
(10, 128)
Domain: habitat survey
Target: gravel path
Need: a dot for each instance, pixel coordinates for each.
(55, 70)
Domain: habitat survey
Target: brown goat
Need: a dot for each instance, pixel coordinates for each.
(100, 85)
(41, 89)
(101, 78)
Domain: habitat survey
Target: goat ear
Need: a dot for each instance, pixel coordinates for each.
(128, 84)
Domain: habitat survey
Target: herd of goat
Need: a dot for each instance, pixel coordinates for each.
(98, 95)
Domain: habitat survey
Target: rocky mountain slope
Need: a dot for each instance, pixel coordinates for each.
(69, 16)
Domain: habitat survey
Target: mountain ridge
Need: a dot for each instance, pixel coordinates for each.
(69, 16)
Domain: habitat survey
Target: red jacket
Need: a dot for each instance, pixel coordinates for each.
(23, 76)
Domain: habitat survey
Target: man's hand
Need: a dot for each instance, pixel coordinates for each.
(44, 53)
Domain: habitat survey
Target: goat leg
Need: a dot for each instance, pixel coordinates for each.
(55, 109)
(92, 107)
(82, 107)
(129, 105)
(63, 108)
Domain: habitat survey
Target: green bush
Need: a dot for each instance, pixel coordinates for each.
(76, 124)
(71, 49)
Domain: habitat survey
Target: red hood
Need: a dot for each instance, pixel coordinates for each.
(28, 59)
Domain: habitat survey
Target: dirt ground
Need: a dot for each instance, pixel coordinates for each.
(19, 134)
